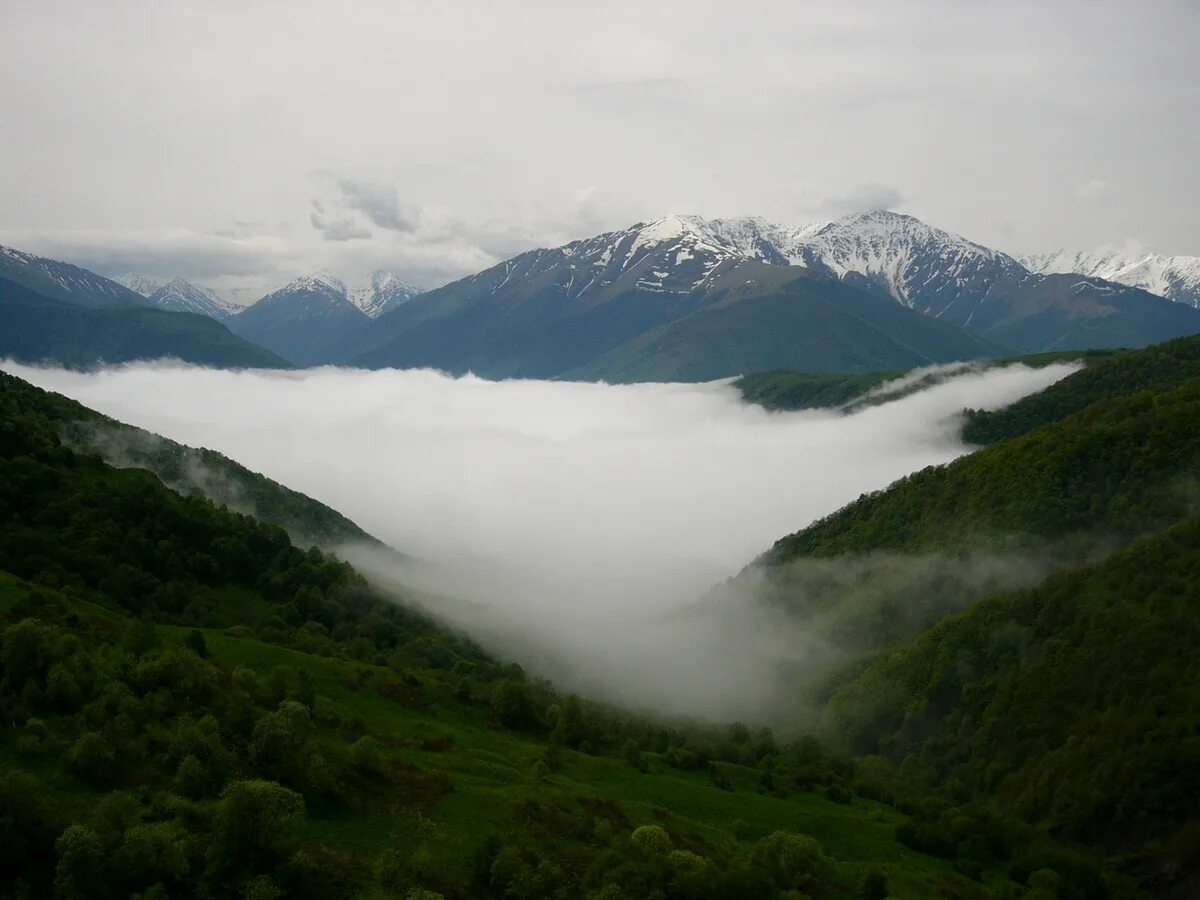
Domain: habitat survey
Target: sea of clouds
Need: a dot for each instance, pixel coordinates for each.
(567, 524)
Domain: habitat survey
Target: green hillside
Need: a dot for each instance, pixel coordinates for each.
(810, 324)
(36, 329)
(1121, 466)
(1017, 629)
(199, 708)
(1072, 705)
(787, 390)
(1154, 368)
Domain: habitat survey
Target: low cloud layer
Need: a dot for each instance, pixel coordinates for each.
(573, 522)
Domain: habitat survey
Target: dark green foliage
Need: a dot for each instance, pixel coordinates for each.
(35, 328)
(873, 887)
(782, 389)
(1123, 465)
(1156, 368)
(1072, 704)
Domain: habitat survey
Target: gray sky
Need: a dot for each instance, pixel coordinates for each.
(246, 143)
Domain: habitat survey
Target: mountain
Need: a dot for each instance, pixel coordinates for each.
(983, 290)
(659, 300)
(178, 295)
(386, 291)
(309, 321)
(1174, 277)
(63, 281)
(778, 319)
(35, 328)
(141, 284)
(591, 309)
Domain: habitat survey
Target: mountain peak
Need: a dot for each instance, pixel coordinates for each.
(1174, 277)
(386, 291)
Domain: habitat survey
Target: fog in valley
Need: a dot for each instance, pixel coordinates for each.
(575, 527)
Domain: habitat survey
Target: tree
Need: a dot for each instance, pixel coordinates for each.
(512, 704)
(79, 873)
(194, 641)
(792, 860)
(651, 839)
(254, 824)
(873, 887)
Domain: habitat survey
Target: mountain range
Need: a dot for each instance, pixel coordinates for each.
(52, 311)
(687, 298)
(1174, 277)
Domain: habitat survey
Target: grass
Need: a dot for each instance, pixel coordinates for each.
(492, 772)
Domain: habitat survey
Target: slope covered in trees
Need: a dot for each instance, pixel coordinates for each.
(1073, 705)
(1067, 701)
(185, 470)
(1120, 467)
(1153, 368)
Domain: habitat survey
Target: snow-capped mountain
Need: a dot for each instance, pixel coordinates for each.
(178, 295)
(63, 281)
(925, 268)
(141, 284)
(386, 291)
(660, 288)
(1174, 277)
(307, 321)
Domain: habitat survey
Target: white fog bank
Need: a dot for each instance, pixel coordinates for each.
(580, 514)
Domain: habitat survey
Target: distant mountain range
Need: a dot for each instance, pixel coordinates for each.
(178, 295)
(687, 298)
(63, 281)
(1174, 277)
(309, 321)
(36, 328)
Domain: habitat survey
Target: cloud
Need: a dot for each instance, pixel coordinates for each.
(861, 198)
(380, 203)
(570, 526)
(1093, 188)
(168, 253)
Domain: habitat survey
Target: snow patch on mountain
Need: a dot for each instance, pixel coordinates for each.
(1174, 277)
(141, 284)
(386, 291)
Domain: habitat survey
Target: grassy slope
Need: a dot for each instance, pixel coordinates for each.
(809, 324)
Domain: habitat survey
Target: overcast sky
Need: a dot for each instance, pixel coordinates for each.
(246, 143)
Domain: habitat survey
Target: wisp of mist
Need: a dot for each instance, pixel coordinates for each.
(565, 524)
